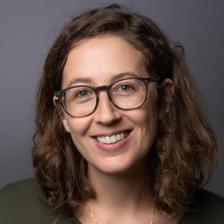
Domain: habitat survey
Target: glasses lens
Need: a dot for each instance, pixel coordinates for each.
(79, 101)
(128, 94)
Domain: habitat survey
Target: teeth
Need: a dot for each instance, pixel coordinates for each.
(110, 139)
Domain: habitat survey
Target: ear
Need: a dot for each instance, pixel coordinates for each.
(167, 95)
(55, 100)
(61, 115)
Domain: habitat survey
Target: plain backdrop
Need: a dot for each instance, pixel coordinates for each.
(29, 27)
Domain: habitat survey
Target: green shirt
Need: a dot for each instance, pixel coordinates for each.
(21, 203)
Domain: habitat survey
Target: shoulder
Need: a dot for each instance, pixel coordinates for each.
(22, 202)
(20, 188)
(20, 194)
(206, 208)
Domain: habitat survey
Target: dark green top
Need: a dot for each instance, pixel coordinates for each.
(21, 203)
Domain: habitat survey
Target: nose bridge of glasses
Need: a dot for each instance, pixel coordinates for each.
(101, 88)
(104, 88)
(106, 112)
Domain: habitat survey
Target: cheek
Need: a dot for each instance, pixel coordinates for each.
(78, 128)
(77, 132)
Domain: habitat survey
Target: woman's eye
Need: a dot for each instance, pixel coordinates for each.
(82, 93)
(125, 88)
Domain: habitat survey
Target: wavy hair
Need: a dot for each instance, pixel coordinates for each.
(185, 146)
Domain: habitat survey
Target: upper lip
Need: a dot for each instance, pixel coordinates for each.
(111, 133)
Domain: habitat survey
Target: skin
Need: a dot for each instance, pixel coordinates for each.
(112, 173)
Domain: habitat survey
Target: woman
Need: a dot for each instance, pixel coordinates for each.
(120, 137)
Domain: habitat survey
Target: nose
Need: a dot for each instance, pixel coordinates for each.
(106, 113)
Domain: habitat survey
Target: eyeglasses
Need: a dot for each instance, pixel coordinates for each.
(126, 94)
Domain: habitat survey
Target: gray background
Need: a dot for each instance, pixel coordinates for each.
(27, 30)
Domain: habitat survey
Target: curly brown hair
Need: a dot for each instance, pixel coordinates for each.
(185, 146)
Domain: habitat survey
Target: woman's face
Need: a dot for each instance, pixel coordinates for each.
(98, 61)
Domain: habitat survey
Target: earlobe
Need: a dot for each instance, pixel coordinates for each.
(61, 115)
(167, 96)
(168, 88)
(55, 100)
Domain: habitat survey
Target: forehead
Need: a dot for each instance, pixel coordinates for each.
(101, 58)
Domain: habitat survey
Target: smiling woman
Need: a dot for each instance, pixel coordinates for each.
(131, 116)
(120, 137)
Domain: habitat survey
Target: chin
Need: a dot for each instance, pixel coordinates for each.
(116, 168)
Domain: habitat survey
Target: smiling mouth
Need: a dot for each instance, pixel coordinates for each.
(113, 138)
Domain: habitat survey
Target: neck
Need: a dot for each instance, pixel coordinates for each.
(122, 197)
(120, 192)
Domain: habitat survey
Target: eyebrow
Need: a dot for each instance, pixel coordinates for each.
(115, 78)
